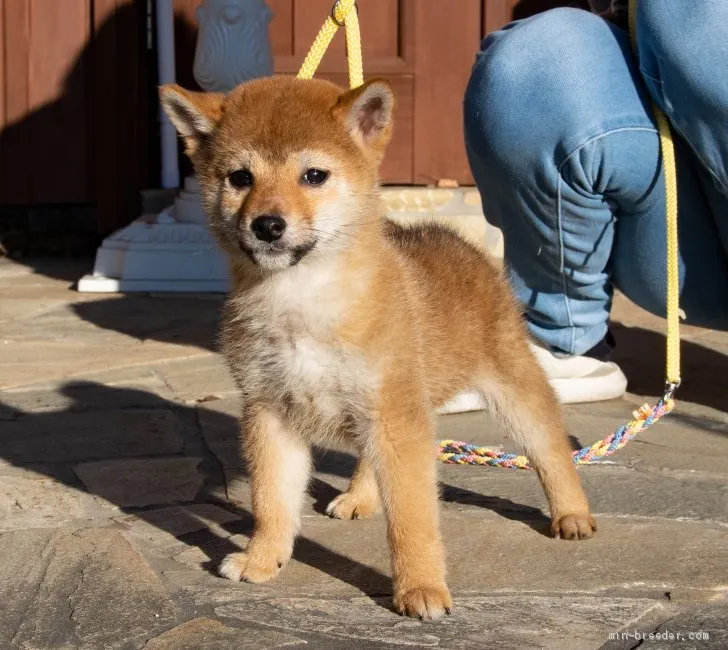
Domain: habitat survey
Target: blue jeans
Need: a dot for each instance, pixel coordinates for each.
(563, 146)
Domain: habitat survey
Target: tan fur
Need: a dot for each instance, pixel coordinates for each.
(360, 338)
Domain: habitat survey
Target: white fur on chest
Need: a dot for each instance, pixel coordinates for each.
(292, 356)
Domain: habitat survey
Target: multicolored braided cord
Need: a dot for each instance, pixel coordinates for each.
(462, 453)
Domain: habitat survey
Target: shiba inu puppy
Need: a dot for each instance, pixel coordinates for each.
(341, 325)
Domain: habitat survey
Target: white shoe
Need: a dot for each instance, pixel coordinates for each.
(574, 380)
(581, 379)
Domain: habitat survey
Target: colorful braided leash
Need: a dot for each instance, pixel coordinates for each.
(344, 14)
(461, 453)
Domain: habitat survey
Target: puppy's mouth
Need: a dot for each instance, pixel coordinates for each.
(276, 254)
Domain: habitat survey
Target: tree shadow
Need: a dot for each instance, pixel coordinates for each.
(96, 423)
(641, 355)
(56, 443)
(72, 169)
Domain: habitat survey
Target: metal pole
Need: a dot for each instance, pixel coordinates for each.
(165, 63)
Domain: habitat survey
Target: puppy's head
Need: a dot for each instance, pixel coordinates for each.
(286, 166)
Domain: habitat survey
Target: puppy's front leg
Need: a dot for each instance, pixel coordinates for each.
(401, 452)
(279, 463)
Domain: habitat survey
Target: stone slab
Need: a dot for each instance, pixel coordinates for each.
(86, 589)
(201, 379)
(24, 554)
(69, 436)
(126, 388)
(31, 500)
(209, 634)
(143, 481)
(21, 360)
(490, 551)
(177, 520)
(157, 532)
(696, 627)
(185, 320)
(478, 622)
(219, 425)
(693, 627)
(611, 489)
(689, 438)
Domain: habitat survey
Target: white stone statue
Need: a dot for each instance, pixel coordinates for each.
(233, 44)
(232, 47)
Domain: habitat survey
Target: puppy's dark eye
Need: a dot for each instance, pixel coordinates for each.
(315, 176)
(241, 178)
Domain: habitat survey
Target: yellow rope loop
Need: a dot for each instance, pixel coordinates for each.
(353, 50)
(318, 49)
(343, 13)
(667, 148)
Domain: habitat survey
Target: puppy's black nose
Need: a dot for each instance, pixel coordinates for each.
(268, 228)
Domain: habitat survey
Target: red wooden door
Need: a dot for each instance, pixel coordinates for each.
(75, 107)
(78, 107)
(424, 47)
(43, 93)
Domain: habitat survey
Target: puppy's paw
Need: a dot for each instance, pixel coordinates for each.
(425, 603)
(580, 525)
(241, 566)
(349, 505)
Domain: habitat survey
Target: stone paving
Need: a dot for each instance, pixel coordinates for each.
(121, 488)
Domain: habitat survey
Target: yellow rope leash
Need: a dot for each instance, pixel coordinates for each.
(673, 282)
(343, 13)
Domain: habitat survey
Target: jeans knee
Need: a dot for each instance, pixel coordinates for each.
(527, 77)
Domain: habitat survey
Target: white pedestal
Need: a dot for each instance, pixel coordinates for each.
(169, 251)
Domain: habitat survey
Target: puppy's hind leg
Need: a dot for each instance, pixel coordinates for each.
(519, 395)
(361, 500)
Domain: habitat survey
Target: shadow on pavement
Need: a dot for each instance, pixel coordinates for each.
(54, 443)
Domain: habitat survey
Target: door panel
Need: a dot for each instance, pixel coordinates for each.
(397, 166)
(381, 47)
(445, 40)
(281, 27)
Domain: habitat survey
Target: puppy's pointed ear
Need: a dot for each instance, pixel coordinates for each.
(367, 112)
(195, 115)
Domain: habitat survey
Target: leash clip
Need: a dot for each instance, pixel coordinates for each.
(670, 388)
(333, 12)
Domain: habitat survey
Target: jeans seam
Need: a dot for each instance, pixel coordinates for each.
(675, 127)
(559, 215)
(647, 75)
(708, 168)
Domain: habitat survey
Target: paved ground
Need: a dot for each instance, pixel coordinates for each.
(120, 489)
